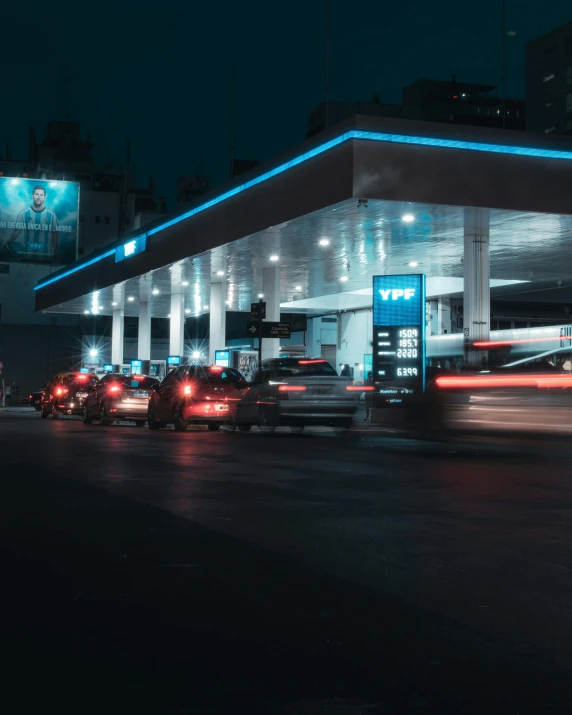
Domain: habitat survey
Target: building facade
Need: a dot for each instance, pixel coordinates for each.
(549, 82)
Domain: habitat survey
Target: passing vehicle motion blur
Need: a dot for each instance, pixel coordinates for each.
(119, 397)
(297, 392)
(196, 395)
(65, 394)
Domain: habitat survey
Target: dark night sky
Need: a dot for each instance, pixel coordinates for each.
(160, 72)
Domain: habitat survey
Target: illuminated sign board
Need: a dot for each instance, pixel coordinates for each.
(84, 370)
(131, 248)
(399, 331)
(222, 358)
(136, 367)
(38, 220)
(173, 360)
(108, 367)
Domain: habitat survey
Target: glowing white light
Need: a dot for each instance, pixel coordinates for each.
(129, 248)
(205, 307)
(297, 287)
(131, 299)
(53, 184)
(93, 352)
(15, 182)
(274, 258)
(344, 279)
(220, 273)
(196, 354)
(413, 264)
(261, 295)
(324, 242)
(168, 315)
(187, 310)
(408, 218)
(185, 283)
(114, 304)
(86, 312)
(155, 291)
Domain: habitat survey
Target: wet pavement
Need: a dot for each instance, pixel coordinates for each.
(315, 573)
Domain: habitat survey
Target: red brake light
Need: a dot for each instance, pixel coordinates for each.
(30, 396)
(137, 377)
(291, 388)
(61, 391)
(114, 388)
(83, 376)
(187, 390)
(215, 368)
(310, 362)
(360, 388)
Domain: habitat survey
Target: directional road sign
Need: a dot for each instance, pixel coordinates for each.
(269, 329)
(258, 311)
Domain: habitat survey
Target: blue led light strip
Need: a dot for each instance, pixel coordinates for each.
(347, 136)
(75, 269)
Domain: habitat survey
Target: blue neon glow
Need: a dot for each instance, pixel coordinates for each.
(346, 136)
(75, 269)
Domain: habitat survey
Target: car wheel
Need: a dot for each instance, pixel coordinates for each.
(244, 428)
(86, 419)
(152, 423)
(139, 423)
(179, 424)
(104, 420)
(297, 429)
(213, 427)
(264, 422)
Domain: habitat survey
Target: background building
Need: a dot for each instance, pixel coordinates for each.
(549, 82)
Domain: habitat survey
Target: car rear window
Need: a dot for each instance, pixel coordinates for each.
(142, 382)
(223, 376)
(75, 382)
(303, 368)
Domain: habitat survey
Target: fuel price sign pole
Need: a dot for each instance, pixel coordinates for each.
(399, 332)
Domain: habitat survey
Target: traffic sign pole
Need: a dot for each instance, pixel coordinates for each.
(260, 334)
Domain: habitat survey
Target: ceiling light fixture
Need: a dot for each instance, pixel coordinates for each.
(220, 273)
(261, 295)
(344, 279)
(408, 218)
(155, 291)
(413, 264)
(114, 304)
(131, 299)
(274, 258)
(324, 242)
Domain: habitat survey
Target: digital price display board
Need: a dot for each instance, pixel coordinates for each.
(399, 331)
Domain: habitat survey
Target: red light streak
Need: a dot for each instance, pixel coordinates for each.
(292, 388)
(496, 343)
(311, 362)
(360, 388)
(532, 380)
(215, 368)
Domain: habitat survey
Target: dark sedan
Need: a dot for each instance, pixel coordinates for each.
(296, 392)
(119, 397)
(35, 399)
(197, 395)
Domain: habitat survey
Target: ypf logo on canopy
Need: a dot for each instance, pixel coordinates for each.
(397, 293)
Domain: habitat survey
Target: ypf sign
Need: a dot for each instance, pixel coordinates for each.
(399, 331)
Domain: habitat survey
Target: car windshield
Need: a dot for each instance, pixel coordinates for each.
(302, 368)
(136, 381)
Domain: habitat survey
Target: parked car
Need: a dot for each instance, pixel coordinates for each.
(297, 392)
(196, 395)
(35, 399)
(66, 393)
(119, 397)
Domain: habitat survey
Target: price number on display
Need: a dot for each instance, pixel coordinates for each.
(406, 353)
(406, 372)
(409, 333)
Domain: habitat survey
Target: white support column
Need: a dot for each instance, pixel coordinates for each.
(271, 290)
(217, 319)
(477, 295)
(177, 325)
(117, 331)
(144, 336)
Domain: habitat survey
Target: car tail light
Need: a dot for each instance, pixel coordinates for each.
(61, 391)
(114, 388)
(187, 390)
(215, 368)
(360, 388)
(311, 362)
(82, 377)
(292, 388)
(30, 397)
(137, 377)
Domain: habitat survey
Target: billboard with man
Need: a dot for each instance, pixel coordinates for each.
(38, 220)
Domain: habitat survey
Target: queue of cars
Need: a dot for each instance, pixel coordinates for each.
(292, 392)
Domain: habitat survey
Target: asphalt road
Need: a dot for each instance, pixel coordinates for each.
(297, 574)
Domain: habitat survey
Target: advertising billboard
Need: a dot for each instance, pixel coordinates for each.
(38, 220)
(399, 331)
